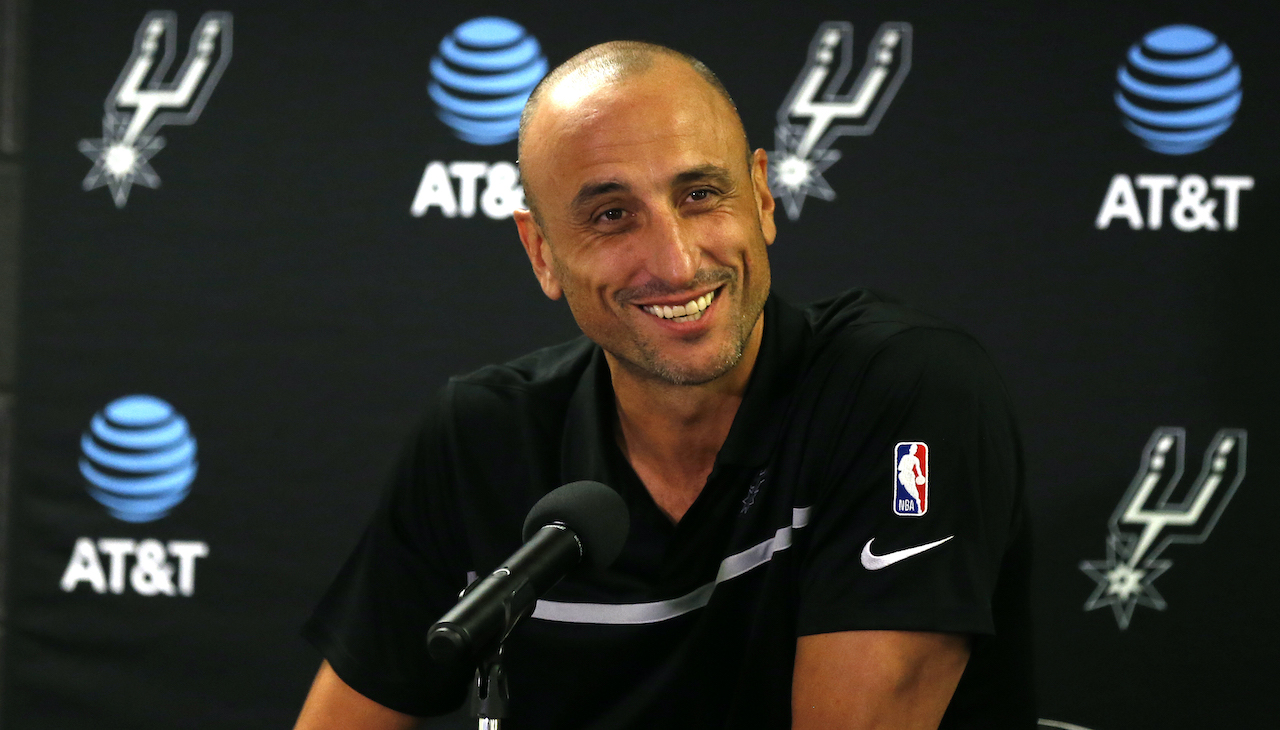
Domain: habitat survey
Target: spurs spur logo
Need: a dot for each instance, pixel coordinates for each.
(816, 113)
(1148, 519)
(141, 102)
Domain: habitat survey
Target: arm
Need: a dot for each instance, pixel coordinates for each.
(863, 680)
(332, 704)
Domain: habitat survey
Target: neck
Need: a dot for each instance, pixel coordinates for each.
(671, 433)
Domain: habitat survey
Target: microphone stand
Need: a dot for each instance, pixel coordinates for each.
(489, 701)
(490, 607)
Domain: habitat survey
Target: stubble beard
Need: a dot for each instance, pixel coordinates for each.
(646, 360)
(649, 361)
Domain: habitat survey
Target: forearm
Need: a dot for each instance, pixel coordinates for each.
(865, 680)
(333, 705)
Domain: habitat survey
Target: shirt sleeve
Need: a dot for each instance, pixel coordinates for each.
(926, 410)
(405, 572)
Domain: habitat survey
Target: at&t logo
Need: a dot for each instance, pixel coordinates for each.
(1178, 90)
(138, 458)
(480, 79)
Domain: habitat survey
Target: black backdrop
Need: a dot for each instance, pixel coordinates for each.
(278, 292)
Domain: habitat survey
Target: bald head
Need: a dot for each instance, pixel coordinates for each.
(605, 66)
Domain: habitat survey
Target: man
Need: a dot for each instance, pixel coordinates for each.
(754, 444)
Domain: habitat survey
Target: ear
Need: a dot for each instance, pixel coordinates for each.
(539, 252)
(764, 199)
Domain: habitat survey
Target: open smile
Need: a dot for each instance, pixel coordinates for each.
(688, 312)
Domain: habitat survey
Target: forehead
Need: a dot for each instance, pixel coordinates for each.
(645, 127)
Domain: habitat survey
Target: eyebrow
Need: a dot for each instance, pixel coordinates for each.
(592, 190)
(710, 172)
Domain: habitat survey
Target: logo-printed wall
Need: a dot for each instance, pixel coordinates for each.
(245, 272)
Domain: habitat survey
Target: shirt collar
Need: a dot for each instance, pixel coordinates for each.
(588, 425)
(755, 427)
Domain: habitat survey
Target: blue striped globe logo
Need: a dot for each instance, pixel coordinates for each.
(482, 77)
(138, 457)
(1179, 89)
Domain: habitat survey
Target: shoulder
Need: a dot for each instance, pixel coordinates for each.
(538, 384)
(541, 372)
(867, 334)
(492, 426)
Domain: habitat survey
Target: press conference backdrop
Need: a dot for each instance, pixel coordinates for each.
(260, 235)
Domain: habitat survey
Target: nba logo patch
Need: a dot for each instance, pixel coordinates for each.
(911, 479)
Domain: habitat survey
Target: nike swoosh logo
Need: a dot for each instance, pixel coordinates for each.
(876, 562)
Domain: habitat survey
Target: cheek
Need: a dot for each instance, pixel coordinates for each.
(618, 263)
(732, 239)
(579, 278)
(610, 265)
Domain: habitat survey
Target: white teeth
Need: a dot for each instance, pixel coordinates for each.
(690, 312)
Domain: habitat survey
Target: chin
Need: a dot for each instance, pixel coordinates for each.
(683, 372)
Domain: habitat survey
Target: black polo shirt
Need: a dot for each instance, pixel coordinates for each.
(806, 525)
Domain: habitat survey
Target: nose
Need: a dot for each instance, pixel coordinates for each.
(673, 252)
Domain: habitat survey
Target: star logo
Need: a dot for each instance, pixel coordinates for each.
(1121, 585)
(118, 163)
(807, 120)
(794, 177)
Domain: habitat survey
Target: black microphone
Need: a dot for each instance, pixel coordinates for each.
(580, 520)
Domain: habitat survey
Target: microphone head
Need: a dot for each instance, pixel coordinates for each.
(593, 511)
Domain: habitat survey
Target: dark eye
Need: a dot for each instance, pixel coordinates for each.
(699, 195)
(613, 214)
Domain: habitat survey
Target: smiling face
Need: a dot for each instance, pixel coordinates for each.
(653, 220)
